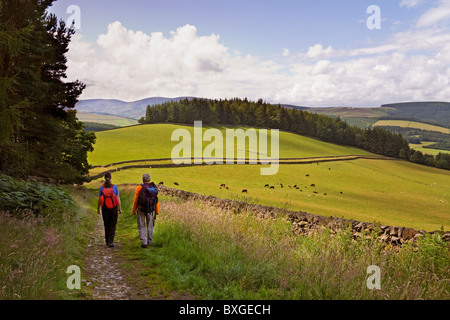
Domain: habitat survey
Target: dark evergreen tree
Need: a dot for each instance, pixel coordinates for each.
(40, 133)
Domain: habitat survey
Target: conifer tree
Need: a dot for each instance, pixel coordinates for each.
(40, 134)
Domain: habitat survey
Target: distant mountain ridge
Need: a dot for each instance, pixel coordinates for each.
(134, 109)
(428, 111)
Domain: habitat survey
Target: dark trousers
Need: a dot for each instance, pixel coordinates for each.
(110, 223)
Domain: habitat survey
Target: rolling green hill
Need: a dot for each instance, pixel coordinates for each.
(154, 142)
(411, 124)
(388, 191)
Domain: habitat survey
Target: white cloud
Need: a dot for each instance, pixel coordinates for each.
(318, 51)
(130, 65)
(321, 67)
(286, 52)
(435, 15)
(410, 3)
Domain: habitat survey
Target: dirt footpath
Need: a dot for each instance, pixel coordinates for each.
(103, 276)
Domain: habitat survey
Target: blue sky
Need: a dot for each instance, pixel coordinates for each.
(317, 53)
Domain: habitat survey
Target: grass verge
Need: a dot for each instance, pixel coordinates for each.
(214, 254)
(37, 249)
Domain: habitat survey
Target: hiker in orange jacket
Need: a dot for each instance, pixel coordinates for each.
(145, 215)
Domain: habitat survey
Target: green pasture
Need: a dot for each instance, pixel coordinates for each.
(390, 192)
(411, 124)
(154, 142)
(387, 191)
(421, 148)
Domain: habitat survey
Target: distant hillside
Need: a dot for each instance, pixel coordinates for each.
(115, 121)
(430, 112)
(134, 109)
(436, 112)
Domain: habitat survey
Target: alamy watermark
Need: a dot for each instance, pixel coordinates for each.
(235, 147)
(374, 280)
(74, 280)
(374, 21)
(75, 16)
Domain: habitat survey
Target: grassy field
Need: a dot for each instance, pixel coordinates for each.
(431, 151)
(154, 142)
(391, 192)
(411, 124)
(106, 119)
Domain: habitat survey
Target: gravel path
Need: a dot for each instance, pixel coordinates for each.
(103, 273)
(104, 278)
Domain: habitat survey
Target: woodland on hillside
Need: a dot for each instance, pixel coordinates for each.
(264, 115)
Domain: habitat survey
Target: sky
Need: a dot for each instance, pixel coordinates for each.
(322, 53)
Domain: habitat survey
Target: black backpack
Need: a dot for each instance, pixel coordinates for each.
(148, 197)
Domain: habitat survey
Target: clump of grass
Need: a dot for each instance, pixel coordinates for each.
(220, 255)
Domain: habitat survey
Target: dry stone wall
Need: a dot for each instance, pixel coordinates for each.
(305, 223)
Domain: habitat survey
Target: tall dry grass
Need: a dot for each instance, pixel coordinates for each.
(37, 249)
(222, 255)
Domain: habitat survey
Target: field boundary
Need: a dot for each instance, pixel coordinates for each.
(304, 223)
(246, 161)
(237, 159)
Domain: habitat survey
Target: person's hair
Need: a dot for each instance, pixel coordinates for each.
(146, 178)
(107, 183)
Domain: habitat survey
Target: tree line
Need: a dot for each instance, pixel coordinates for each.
(40, 134)
(417, 136)
(432, 112)
(243, 112)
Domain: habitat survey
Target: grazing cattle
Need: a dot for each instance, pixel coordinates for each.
(223, 185)
(266, 186)
(295, 186)
(244, 191)
(272, 187)
(176, 183)
(161, 183)
(315, 192)
(313, 185)
(281, 185)
(307, 175)
(341, 192)
(324, 194)
(227, 188)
